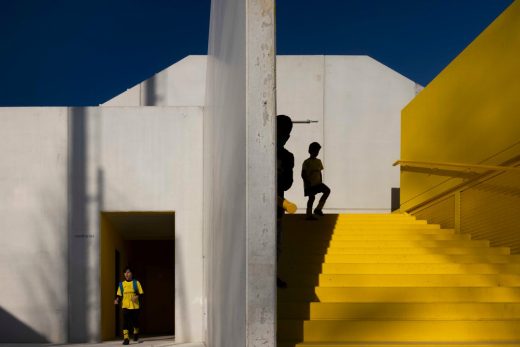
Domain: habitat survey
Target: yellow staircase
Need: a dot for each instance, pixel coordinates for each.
(391, 280)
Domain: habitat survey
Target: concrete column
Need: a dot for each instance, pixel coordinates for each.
(261, 186)
(239, 170)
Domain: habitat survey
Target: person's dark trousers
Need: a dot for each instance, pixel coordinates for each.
(320, 188)
(130, 320)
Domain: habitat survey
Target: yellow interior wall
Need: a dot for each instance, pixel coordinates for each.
(468, 114)
(111, 240)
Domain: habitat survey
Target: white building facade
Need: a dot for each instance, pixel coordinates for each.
(143, 151)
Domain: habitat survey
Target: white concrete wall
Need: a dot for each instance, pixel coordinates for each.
(33, 224)
(300, 95)
(362, 131)
(239, 184)
(182, 84)
(61, 167)
(357, 102)
(148, 159)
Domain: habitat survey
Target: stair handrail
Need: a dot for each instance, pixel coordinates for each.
(462, 166)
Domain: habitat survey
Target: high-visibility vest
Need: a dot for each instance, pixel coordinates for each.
(134, 282)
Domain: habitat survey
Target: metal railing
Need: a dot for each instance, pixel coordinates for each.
(461, 167)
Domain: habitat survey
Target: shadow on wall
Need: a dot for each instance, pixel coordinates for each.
(78, 225)
(51, 257)
(82, 237)
(14, 331)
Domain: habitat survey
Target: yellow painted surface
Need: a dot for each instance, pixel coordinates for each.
(110, 241)
(441, 211)
(491, 210)
(369, 287)
(468, 113)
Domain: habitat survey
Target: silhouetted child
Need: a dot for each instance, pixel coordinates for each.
(312, 181)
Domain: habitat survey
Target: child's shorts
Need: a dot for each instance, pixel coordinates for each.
(319, 188)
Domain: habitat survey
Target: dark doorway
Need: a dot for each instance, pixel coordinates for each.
(152, 262)
(145, 241)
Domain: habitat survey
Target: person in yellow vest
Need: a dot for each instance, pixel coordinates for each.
(130, 290)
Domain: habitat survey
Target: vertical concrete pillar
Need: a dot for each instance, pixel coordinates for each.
(239, 170)
(261, 112)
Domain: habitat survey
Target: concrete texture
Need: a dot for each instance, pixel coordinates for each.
(182, 84)
(300, 95)
(62, 167)
(362, 131)
(33, 224)
(239, 184)
(357, 102)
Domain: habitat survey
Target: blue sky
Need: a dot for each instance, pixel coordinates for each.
(83, 52)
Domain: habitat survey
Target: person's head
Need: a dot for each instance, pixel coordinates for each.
(314, 149)
(283, 129)
(128, 273)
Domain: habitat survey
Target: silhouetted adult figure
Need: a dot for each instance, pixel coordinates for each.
(284, 169)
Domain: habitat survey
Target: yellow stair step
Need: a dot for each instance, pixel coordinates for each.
(485, 250)
(399, 294)
(383, 226)
(495, 331)
(409, 258)
(399, 311)
(420, 268)
(303, 279)
(402, 294)
(374, 236)
(391, 280)
(374, 215)
(395, 236)
(387, 344)
(391, 231)
(405, 243)
(437, 280)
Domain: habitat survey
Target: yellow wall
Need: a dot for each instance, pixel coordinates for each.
(110, 241)
(490, 210)
(470, 113)
(440, 211)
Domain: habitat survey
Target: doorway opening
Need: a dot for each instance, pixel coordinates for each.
(144, 241)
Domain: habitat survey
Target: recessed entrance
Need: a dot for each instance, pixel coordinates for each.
(145, 241)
